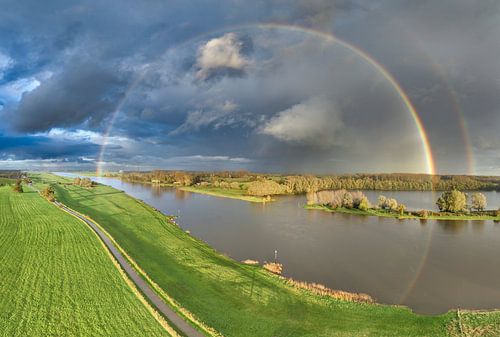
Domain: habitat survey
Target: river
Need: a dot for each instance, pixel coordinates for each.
(430, 266)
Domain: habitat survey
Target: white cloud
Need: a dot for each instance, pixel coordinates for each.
(13, 91)
(312, 122)
(198, 157)
(221, 52)
(84, 136)
(5, 63)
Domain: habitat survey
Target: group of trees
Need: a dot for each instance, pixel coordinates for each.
(339, 198)
(83, 182)
(353, 199)
(389, 182)
(265, 188)
(390, 204)
(297, 184)
(456, 201)
(449, 201)
(48, 193)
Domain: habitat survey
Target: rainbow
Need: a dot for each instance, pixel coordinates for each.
(107, 133)
(426, 147)
(453, 97)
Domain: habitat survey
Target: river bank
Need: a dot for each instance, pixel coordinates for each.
(405, 215)
(233, 298)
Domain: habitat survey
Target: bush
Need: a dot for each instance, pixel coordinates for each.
(364, 204)
(48, 193)
(387, 203)
(18, 187)
(357, 197)
(401, 209)
(235, 185)
(347, 201)
(83, 182)
(423, 213)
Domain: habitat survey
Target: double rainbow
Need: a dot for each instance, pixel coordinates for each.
(424, 139)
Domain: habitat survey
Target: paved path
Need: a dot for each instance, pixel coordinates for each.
(160, 305)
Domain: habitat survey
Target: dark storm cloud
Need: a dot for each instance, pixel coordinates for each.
(85, 92)
(40, 147)
(234, 100)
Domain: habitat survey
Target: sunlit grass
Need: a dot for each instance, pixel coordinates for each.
(224, 192)
(56, 278)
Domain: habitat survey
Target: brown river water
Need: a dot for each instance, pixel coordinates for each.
(430, 266)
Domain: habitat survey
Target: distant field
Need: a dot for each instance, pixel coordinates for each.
(224, 193)
(6, 181)
(56, 278)
(236, 299)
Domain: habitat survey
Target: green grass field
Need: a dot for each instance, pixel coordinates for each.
(235, 299)
(57, 279)
(6, 181)
(224, 193)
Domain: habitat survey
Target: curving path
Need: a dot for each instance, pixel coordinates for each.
(160, 305)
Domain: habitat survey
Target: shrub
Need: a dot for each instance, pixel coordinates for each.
(357, 196)
(48, 193)
(387, 203)
(347, 201)
(382, 201)
(423, 213)
(18, 187)
(364, 204)
(401, 209)
(83, 182)
(235, 185)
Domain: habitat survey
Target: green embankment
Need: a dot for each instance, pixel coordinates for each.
(235, 299)
(56, 278)
(224, 193)
(406, 215)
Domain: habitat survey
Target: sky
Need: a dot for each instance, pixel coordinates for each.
(312, 86)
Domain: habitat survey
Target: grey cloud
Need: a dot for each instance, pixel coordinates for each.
(312, 122)
(85, 92)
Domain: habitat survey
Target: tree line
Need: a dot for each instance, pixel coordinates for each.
(268, 184)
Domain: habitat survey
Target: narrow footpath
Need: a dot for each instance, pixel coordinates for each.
(157, 302)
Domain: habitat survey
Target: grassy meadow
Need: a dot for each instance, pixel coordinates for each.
(6, 181)
(57, 279)
(224, 193)
(233, 298)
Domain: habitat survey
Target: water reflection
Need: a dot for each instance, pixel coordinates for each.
(452, 227)
(181, 194)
